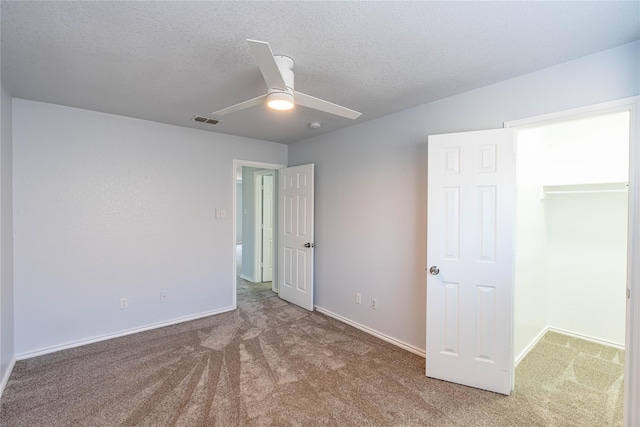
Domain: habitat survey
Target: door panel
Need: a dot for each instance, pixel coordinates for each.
(295, 265)
(470, 240)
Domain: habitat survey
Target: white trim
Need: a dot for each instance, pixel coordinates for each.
(586, 337)
(234, 205)
(5, 378)
(632, 341)
(538, 337)
(529, 347)
(589, 110)
(257, 223)
(632, 353)
(79, 343)
(247, 278)
(373, 332)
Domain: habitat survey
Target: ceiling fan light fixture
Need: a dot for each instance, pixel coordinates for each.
(280, 101)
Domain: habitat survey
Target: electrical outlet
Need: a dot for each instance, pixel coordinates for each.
(164, 296)
(220, 213)
(358, 298)
(124, 303)
(374, 303)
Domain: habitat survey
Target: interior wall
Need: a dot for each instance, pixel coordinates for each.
(561, 238)
(7, 349)
(109, 207)
(587, 233)
(248, 223)
(531, 300)
(587, 150)
(371, 190)
(587, 265)
(239, 211)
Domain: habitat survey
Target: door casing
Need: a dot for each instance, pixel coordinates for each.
(236, 164)
(632, 340)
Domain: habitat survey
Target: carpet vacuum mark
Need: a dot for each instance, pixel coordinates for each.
(270, 363)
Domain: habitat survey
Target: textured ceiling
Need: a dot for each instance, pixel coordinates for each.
(168, 61)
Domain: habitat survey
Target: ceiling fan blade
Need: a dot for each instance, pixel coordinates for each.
(326, 106)
(241, 106)
(267, 63)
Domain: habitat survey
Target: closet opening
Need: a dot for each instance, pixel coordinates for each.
(571, 261)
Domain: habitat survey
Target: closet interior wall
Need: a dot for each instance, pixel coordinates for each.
(571, 230)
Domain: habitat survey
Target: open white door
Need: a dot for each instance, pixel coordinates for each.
(471, 210)
(267, 228)
(295, 230)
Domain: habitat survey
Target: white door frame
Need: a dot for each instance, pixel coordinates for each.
(632, 342)
(257, 253)
(236, 164)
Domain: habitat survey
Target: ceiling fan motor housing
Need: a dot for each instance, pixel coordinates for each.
(282, 98)
(285, 65)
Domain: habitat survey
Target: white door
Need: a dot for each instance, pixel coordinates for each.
(267, 228)
(471, 210)
(295, 230)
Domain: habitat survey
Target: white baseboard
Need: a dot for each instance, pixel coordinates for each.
(373, 332)
(587, 338)
(528, 348)
(247, 278)
(537, 339)
(5, 377)
(79, 343)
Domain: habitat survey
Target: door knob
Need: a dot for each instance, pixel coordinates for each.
(309, 245)
(434, 270)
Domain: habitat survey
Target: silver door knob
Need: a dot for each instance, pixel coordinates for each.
(309, 245)
(434, 270)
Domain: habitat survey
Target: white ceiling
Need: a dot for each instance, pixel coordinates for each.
(168, 61)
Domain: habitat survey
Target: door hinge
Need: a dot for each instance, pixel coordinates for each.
(628, 293)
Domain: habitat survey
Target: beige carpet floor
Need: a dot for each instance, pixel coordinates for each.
(271, 363)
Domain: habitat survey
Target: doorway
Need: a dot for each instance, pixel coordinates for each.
(247, 213)
(570, 266)
(293, 187)
(572, 203)
(254, 233)
(452, 158)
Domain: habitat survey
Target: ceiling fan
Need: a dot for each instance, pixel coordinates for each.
(277, 71)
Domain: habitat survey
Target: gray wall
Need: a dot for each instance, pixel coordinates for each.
(371, 185)
(109, 207)
(6, 238)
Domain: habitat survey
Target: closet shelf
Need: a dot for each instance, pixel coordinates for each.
(609, 187)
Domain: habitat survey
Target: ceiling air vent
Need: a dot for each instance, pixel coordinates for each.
(205, 120)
